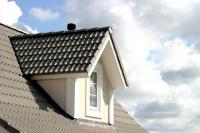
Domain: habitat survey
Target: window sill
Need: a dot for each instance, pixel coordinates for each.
(94, 113)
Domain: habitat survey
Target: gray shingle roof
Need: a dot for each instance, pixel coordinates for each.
(58, 52)
(25, 109)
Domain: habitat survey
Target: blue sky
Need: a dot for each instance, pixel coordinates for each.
(43, 26)
(158, 40)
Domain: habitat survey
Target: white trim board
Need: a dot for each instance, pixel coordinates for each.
(59, 76)
(72, 97)
(111, 106)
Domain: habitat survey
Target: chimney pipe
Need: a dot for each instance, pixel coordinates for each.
(71, 27)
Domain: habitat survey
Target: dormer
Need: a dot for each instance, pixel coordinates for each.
(79, 70)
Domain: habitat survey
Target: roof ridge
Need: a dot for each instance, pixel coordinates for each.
(64, 32)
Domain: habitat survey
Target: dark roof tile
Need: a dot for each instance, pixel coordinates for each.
(39, 51)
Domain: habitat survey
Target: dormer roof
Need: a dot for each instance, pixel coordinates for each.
(64, 52)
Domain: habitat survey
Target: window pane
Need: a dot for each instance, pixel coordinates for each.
(93, 89)
(93, 101)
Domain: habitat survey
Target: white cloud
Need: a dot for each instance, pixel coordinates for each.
(11, 17)
(159, 44)
(25, 27)
(174, 54)
(177, 54)
(180, 4)
(158, 110)
(44, 14)
(10, 12)
(31, 30)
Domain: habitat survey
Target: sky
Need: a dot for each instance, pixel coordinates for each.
(158, 41)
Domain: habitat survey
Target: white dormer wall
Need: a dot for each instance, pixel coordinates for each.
(64, 91)
(56, 88)
(71, 94)
(107, 101)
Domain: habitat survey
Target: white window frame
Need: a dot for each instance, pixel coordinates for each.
(92, 107)
(90, 110)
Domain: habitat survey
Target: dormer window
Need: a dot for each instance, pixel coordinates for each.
(93, 90)
(84, 90)
(94, 93)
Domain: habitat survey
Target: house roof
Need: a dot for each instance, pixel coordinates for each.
(61, 52)
(25, 108)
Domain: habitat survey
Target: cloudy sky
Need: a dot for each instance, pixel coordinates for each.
(158, 40)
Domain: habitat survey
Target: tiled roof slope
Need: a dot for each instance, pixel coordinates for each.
(24, 109)
(58, 52)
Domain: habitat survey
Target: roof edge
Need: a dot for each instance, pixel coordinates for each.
(7, 126)
(61, 32)
(11, 27)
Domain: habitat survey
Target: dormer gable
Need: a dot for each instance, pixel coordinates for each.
(79, 69)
